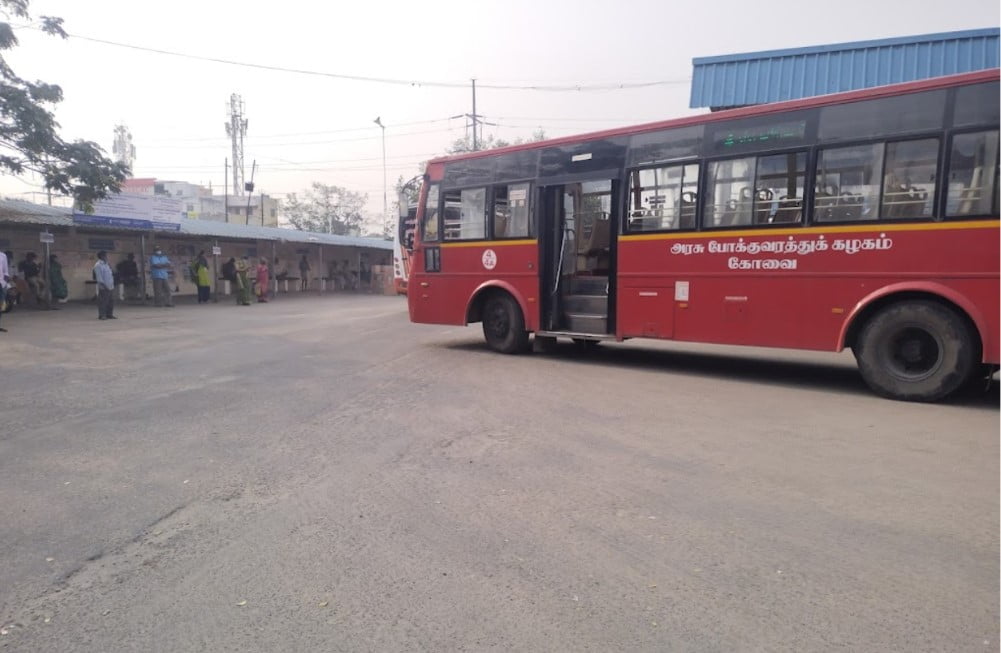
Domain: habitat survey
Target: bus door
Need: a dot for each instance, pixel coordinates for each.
(577, 237)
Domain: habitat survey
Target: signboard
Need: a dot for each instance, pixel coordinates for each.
(216, 251)
(107, 244)
(134, 211)
(46, 237)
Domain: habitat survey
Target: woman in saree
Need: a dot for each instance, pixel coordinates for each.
(58, 282)
(263, 275)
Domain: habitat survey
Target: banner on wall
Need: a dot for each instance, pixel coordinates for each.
(133, 211)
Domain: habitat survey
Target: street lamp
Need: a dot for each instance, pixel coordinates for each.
(385, 204)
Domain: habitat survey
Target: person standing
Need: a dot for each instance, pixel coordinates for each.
(57, 281)
(4, 278)
(105, 287)
(128, 274)
(242, 282)
(263, 275)
(32, 273)
(159, 266)
(202, 278)
(303, 273)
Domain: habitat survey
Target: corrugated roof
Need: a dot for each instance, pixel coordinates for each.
(776, 75)
(21, 212)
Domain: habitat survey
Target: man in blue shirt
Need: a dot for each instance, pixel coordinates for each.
(105, 287)
(159, 266)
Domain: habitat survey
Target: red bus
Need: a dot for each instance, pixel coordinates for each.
(866, 219)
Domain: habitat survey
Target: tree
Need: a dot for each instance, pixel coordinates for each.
(29, 138)
(325, 208)
(465, 144)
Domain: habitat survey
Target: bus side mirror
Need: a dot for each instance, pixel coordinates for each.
(402, 202)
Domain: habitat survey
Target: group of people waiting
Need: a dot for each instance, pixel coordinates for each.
(243, 274)
(25, 282)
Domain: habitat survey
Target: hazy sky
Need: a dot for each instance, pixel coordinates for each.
(307, 128)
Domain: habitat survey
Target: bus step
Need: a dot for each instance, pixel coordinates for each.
(589, 286)
(587, 322)
(593, 304)
(576, 334)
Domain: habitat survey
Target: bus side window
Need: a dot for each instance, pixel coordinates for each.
(909, 184)
(973, 175)
(847, 186)
(429, 227)
(729, 195)
(510, 211)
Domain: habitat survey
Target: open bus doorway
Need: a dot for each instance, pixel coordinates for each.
(577, 237)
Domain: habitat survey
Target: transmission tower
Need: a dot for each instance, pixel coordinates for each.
(236, 129)
(123, 149)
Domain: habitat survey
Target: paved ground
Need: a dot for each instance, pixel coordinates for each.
(323, 475)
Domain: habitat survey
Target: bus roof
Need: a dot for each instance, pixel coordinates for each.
(743, 112)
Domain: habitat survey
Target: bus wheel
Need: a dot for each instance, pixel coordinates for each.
(504, 325)
(916, 351)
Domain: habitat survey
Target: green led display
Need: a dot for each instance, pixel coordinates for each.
(763, 135)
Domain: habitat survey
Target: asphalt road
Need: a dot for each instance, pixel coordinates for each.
(319, 474)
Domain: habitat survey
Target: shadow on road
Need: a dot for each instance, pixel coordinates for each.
(752, 369)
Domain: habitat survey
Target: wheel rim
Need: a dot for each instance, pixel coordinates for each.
(914, 353)
(497, 321)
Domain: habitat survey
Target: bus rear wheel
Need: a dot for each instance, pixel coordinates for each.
(504, 324)
(916, 351)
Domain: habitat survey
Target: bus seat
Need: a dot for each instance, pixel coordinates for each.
(790, 210)
(685, 208)
(500, 226)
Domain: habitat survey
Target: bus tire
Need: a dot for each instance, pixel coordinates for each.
(504, 324)
(916, 351)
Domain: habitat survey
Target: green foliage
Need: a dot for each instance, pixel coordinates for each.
(463, 145)
(324, 208)
(29, 137)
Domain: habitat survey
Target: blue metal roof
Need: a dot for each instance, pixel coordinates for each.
(776, 75)
(26, 213)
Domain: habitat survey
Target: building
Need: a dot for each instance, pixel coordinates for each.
(736, 80)
(199, 203)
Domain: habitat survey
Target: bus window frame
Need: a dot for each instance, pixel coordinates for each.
(936, 211)
(808, 178)
(491, 190)
(422, 214)
(627, 190)
(946, 169)
(487, 203)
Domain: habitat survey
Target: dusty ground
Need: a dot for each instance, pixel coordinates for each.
(323, 475)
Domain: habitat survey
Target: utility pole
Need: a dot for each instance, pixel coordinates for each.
(236, 129)
(225, 188)
(250, 188)
(474, 117)
(385, 203)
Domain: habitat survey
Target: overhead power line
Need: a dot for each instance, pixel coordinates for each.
(574, 86)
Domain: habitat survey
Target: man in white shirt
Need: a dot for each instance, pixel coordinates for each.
(4, 277)
(105, 287)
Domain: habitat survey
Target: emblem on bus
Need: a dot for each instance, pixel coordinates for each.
(489, 259)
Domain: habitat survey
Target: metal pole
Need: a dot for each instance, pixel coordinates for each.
(250, 195)
(274, 270)
(262, 209)
(385, 204)
(215, 272)
(475, 145)
(142, 265)
(226, 192)
(46, 276)
(321, 269)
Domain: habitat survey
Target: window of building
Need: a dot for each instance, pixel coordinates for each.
(511, 215)
(465, 214)
(847, 185)
(663, 198)
(429, 228)
(973, 175)
(909, 179)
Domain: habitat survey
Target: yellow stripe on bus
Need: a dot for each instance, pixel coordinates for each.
(833, 229)
(487, 243)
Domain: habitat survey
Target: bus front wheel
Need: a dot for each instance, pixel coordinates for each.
(504, 324)
(916, 351)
